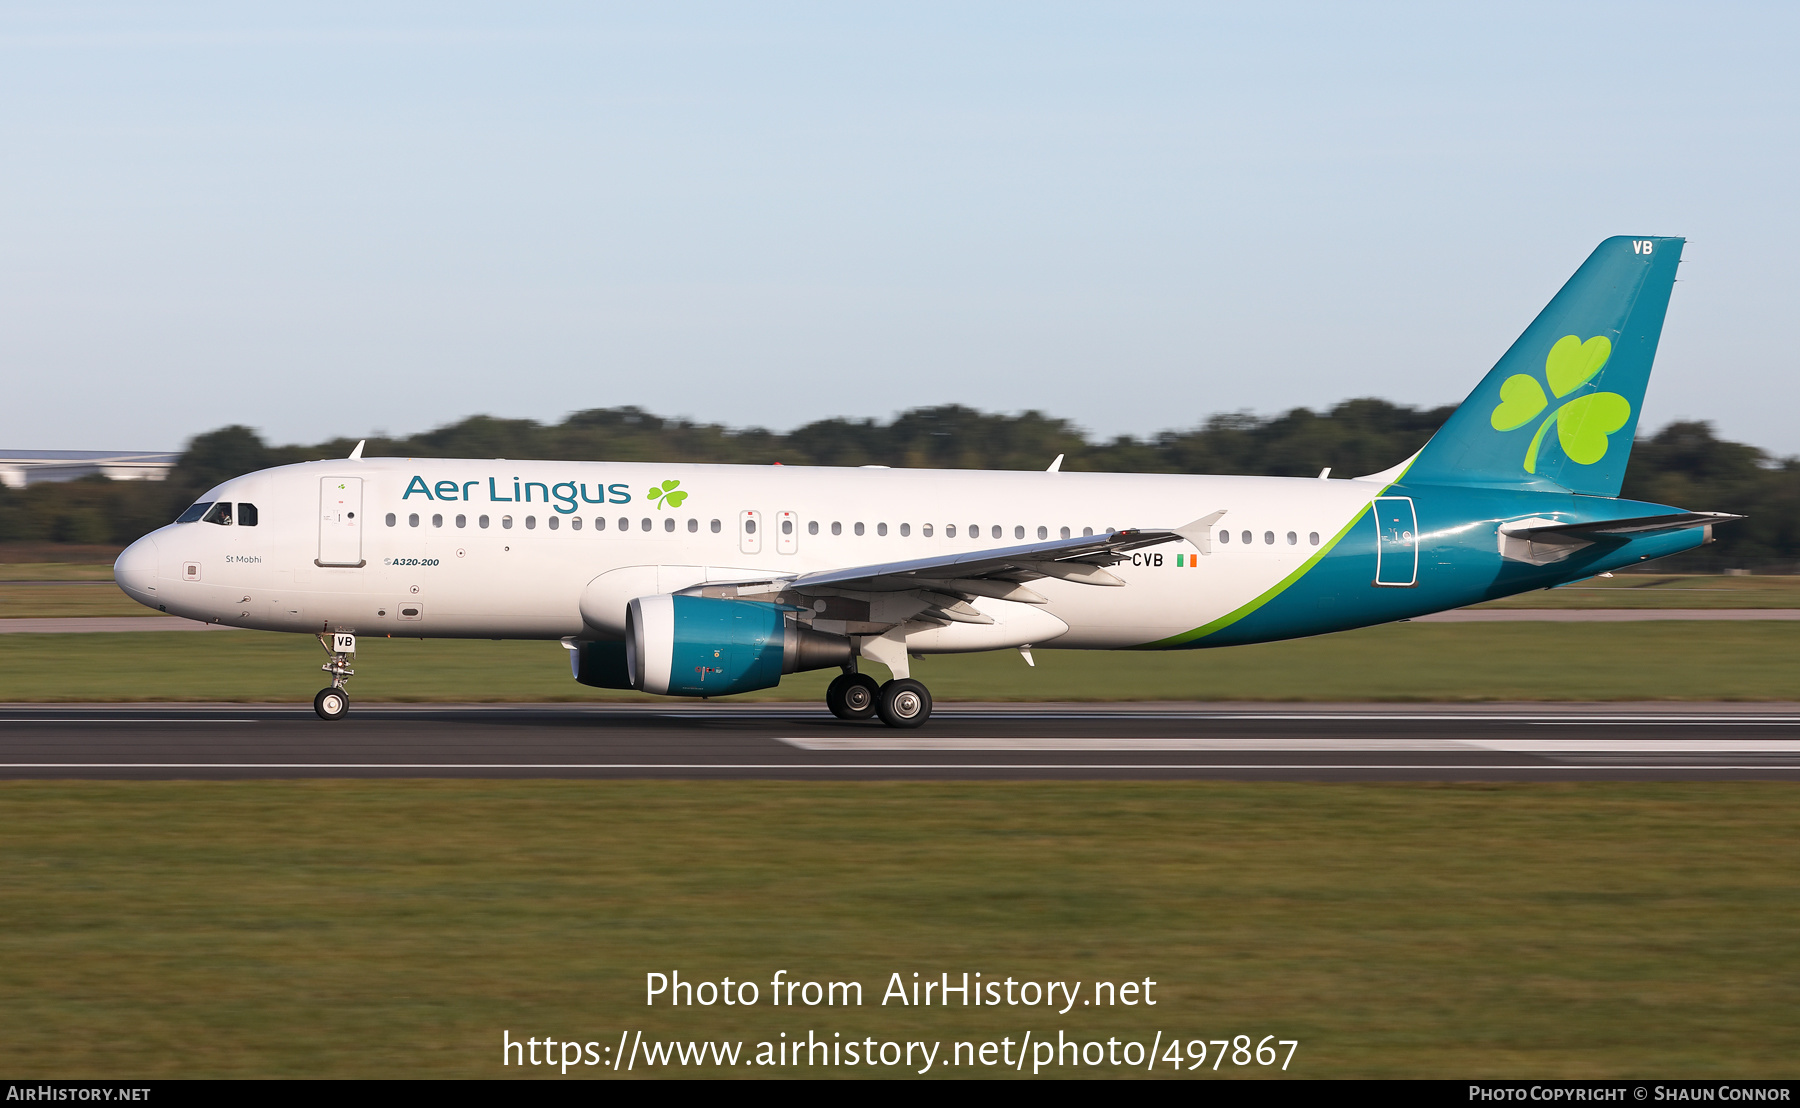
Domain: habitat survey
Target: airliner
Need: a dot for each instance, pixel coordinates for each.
(710, 580)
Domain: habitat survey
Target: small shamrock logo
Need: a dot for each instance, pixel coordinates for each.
(1582, 424)
(665, 494)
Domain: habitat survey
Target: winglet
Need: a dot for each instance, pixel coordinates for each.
(1056, 465)
(1199, 532)
(356, 455)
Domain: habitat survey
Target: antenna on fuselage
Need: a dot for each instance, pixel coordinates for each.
(1056, 465)
(356, 455)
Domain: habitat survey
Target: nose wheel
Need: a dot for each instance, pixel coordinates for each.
(331, 703)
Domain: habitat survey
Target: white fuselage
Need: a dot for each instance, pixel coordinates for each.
(500, 549)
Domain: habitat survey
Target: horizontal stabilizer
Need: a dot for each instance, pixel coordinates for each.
(1639, 525)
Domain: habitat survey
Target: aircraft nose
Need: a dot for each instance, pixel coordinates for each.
(135, 571)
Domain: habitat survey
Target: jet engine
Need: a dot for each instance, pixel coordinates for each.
(707, 646)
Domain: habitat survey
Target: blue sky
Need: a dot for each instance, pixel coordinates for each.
(324, 220)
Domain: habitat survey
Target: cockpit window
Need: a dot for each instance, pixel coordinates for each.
(194, 512)
(219, 514)
(246, 514)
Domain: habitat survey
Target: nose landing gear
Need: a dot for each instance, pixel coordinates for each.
(333, 702)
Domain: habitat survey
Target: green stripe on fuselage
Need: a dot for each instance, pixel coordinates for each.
(1186, 638)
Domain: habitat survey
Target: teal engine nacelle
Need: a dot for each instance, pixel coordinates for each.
(704, 646)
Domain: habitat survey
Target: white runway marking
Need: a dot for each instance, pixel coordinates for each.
(1081, 767)
(115, 719)
(1360, 746)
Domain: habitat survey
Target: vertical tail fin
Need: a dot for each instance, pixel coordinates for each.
(1560, 408)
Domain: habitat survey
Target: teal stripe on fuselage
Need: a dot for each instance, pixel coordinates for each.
(1459, 564)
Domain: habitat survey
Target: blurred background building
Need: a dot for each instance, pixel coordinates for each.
(20, 468)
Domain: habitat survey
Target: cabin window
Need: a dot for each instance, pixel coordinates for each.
(1018, 532)
(599, 523)
(220, 514)
(716, 526)
(787, 526)
(1224, 536)
(975, 531)
(1268, 538)
(412, 520)
(669, 524)
(949, 530)
(574, 523)
(693, 526)
(552, 522)
(925, 530)
(1293, 539)
(437, 521)
(391, 520)
(646, 525)
(530, 523)
(194, 512)
(1065, 532)
(996, 530)
(812, 527)
(858, 529)
(506, 523)
(482, 522)
(750, 526)
(1043, 532)
(1248, 538)
(462, 521)
(1313, 538)
(905, 530)
(881, 529)
(624, 524)
(1087, 532)
(246, 515)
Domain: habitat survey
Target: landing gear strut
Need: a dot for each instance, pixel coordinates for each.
(333, 701)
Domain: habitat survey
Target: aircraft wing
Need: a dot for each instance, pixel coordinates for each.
(1081, 559)
(869, 599)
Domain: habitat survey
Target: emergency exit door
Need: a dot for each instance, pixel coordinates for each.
(1397, 547)
(340, 521)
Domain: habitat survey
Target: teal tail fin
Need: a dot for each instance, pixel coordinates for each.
(1560, 408)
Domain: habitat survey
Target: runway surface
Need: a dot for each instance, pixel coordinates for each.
(1526, 742)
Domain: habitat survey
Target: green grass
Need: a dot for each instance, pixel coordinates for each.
(56, 571)
(66, 599)
(1638, 590)
(393, 929)
(1412, 661)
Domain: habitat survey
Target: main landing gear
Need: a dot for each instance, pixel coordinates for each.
(333, 701)
(900, 703)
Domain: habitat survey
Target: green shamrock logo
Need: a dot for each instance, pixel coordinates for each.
(665, 494)
(1582, 424)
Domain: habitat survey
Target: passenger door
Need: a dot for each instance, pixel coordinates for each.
(1397, 545)
(340, 521)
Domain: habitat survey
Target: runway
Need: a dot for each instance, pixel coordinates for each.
(1518, 742)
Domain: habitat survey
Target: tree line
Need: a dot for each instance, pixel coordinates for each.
(1684, 464)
